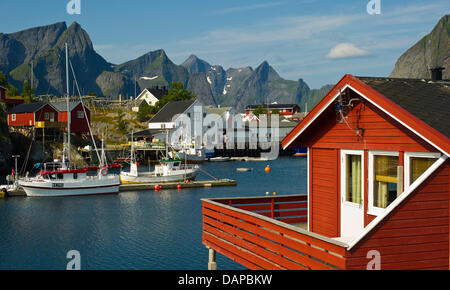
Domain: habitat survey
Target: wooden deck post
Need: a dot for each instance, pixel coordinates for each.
(212, 265)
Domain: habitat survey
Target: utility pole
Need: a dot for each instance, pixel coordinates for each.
(31, 75)
(15, 165)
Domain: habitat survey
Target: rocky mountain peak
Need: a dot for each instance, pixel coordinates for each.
(266, 73)
(431, 51)
(196, 65)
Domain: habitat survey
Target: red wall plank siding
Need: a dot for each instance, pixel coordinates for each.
(40, 115)
(416, 234)
(324, 186)
(77, 125)
(22, 119)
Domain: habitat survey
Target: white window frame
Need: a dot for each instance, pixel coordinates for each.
(80, 114)
(408, 156)
(13, 117)
(46, 116)
(371, 209)
(343, 153)
(345, 205)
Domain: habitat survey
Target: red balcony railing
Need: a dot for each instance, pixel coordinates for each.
(268, 233)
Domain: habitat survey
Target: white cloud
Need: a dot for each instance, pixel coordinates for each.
(250, 7)
(346, 50)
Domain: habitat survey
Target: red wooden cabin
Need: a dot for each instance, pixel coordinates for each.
(31, 115)
(282, 109)
(2, 93)
(378, 186)
(78, 122)
(10, 101)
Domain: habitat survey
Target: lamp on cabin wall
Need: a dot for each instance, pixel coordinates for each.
(344, 105)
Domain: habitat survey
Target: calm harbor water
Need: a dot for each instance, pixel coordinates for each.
(144, 230)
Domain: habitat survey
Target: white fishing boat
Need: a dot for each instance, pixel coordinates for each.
(64, 180)
(72, 182)
(219, 159)
(192, 155)
(168, 170)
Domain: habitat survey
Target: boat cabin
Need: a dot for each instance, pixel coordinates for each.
(378, 186)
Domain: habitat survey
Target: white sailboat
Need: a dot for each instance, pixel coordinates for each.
(59, 179)
(168, 170)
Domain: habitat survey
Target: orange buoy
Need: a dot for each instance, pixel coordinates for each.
(179, 186)
(158, 187)
(268, 169)
(274, 193)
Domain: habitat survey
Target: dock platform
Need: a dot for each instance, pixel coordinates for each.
(175, 185)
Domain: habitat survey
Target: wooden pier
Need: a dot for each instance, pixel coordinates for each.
(180, 185)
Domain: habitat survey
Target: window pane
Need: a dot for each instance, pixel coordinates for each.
(418, 165)
(353, 178)
(385, 180)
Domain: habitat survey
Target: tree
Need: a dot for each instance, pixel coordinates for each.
(3, 81)
(176, 93)
(276, 112)
(121, 125)
(145, 111)
(12, 91)
(260, 111)
(27, 90)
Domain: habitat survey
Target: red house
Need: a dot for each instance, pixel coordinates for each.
(78, 123)
(2, 93)
(33, 115)
(282, 109)
(9, 100)
(378, 186)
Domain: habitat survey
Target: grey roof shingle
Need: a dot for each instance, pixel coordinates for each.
(171, 109)
(428, 101)
(26, 108)
(159, 93)
(62, 106)
(272, 106)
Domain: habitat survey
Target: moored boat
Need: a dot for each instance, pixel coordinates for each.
(168, 170)
(72, 182)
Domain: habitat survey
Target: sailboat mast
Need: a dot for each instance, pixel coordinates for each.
(68, 104)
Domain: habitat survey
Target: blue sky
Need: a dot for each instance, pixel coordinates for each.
(317, 40)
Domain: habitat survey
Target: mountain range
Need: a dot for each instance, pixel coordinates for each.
(39, 54)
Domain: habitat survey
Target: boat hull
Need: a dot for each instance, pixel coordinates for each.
(141, 178)
(191, 159)
(109, 185)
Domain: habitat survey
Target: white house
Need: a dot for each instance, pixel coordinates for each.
(179, 117)
(149, 95)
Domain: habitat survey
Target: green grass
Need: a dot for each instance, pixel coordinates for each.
(21, 72)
